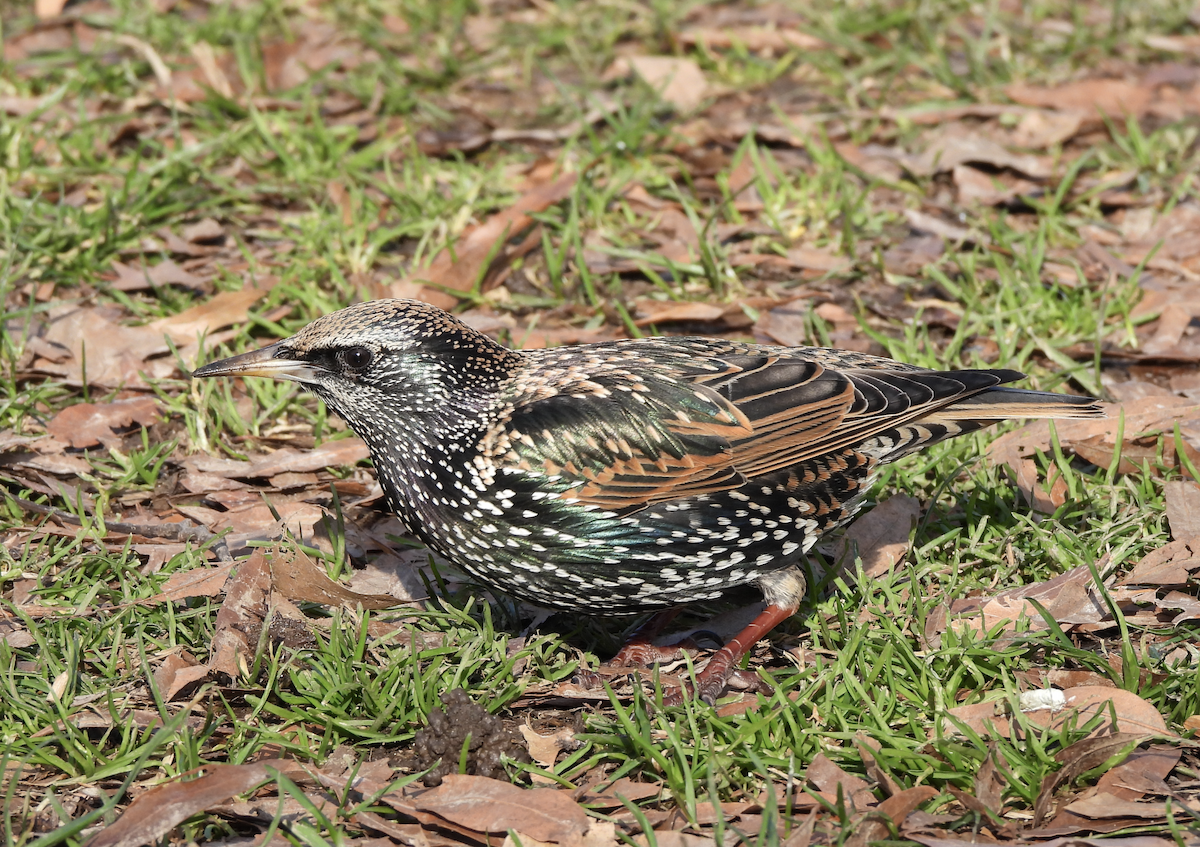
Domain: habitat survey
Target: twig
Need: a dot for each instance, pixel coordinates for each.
(182, 531)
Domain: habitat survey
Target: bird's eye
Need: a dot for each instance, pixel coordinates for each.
(356, 358)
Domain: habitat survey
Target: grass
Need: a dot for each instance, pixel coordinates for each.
(104, 164)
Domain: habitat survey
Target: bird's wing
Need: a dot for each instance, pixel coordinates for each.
(623, 441)
(799, 408)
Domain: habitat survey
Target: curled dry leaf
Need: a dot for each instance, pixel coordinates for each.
(958, 144)
(155, 813)
(1070, 598)
(1147, 434)
(1171, 564)
(297, 577)
(880, 537)
(242, 614)
(544, 749)
(93, 424)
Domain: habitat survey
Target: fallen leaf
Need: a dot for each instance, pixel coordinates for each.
(544, 749)
(880, 537)
(665, 311)
(756, 39)
(1084, 755)
(984, 189)
(1172, 564)
(1183, 508)
(176, 673)
(199, 582)
(957, 144)
(223, 309)
(297, 577)
(677, 81)
(1042, 128)
(1069, 598)
(462, 268)
(1111, 97)
(15, 635)
(490, 806)
(830, 780)
(159, 810)
(241, 617)
(92, 424)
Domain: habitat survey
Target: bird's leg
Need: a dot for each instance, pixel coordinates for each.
(711, 681)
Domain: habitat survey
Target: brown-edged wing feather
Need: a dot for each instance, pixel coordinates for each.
(625, 442)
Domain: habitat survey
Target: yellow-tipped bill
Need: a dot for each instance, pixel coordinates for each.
(274, 361)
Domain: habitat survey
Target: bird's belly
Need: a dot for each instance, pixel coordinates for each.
(563, 554)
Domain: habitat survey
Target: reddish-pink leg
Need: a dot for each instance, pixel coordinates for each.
(711, 682)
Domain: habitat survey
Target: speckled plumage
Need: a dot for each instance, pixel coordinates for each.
(627, 476)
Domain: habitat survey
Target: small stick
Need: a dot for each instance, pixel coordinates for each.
(183, 531)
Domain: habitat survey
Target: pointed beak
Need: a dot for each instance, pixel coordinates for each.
(275, 361)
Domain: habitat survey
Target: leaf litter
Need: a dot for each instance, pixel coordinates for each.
(993, 155)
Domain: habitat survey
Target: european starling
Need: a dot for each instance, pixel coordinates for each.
(628, 476)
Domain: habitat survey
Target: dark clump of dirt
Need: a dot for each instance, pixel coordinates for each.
(463, 722)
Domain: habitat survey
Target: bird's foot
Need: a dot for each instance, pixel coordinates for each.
(634, 656)
(643, 654)
(712, 682)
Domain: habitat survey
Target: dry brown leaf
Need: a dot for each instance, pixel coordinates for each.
(486, 805)
(155, 813)
(235, 632)
(544, 749)
(880, 537)
(1069, 598)
(224, 309)
(462, 268)
(200, 582)
(665, 311)
(1040, 128)
(1111, 97)
(756, 39)
(1171, 564)
(958, 144)
(678, 81)
(93, 424)
(1183, 508)
(984, 189)
(1133, 713)
(827, 778)
(1146, 423)
(1084, 755)
(255, 519)
(15, 635)
(1104, 805)
(894, 810)
(176, 673)
(297, 577)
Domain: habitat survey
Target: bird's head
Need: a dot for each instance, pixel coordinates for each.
(383, 365)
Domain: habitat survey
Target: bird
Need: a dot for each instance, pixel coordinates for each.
(630, 476)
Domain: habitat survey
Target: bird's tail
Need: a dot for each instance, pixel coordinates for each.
(1002, 403)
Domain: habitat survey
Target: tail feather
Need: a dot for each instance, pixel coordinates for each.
(1003, 403)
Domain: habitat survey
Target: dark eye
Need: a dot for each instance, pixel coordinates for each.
(355, 358)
